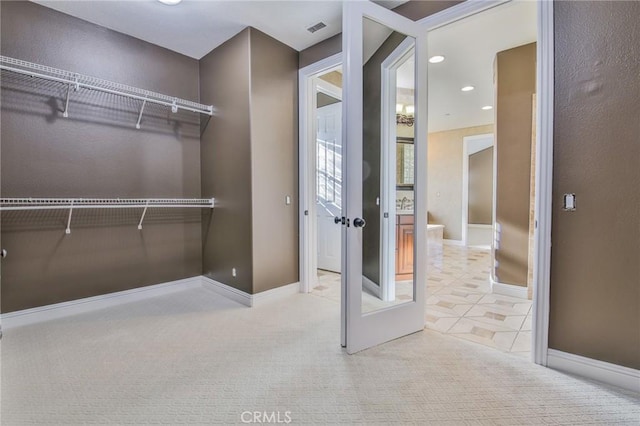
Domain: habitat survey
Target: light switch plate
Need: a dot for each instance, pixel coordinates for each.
(569, 202)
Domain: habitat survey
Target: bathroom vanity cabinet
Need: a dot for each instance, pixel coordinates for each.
(404, 247)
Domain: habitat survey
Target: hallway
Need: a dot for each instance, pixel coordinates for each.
(459, 300)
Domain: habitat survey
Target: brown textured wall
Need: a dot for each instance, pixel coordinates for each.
(371, 146)
(595, 260)
(96, 152)
(515, 79)
(320, 51)
(481, 187)
(226, 163)
(418, 9)
(274, 160)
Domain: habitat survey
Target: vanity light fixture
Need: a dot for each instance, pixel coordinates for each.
(467, 88)
(436, 59)
(405, 114)
(487, 107)
(170, 2)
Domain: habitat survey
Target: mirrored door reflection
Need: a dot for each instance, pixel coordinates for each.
(388, 167)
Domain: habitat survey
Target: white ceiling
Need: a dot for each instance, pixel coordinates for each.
(470, 46)
(195, 27)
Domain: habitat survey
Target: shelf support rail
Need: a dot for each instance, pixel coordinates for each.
(144, 212)
(140, 115)
(68, 230)
(7, 204)
(75, 87)
(78, 80)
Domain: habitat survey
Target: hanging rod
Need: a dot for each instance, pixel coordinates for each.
(102, 203)
(76, 81)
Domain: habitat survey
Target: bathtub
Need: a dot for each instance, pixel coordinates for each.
(435, 232)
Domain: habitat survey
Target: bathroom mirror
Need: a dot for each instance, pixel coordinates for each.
(405, 163)
(387, 238)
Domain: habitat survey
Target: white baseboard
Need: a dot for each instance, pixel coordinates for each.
(452, 242)
(78, 306)
(275, 293)
(508, 289)
(247, 299)
(480, 226)
(624, 377)
(227, 291)
(480, 247)
(371, 286)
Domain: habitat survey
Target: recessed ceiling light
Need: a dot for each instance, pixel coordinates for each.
(467, 88)
(487, 107)
(436, 59)
(170, 2)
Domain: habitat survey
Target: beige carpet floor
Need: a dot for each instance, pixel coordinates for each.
(195, 358)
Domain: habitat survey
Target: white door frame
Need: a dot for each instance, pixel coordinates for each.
(388, 132)
(544, 163)
(465, 181)
(544, 183)
(306, 160)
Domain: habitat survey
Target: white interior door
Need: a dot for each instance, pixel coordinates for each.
(370, 34)
(329, 184)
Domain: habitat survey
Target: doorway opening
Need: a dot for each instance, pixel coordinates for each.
(478, 189)
(488, 290)
(328, 153)
(481, 176)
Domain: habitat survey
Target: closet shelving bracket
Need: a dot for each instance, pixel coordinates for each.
(7, 204)
(75, 82)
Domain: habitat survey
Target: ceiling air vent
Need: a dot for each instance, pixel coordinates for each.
(320, 25)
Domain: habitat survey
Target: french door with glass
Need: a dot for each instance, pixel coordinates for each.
(384, 66)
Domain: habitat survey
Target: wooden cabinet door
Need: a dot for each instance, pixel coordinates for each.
(404, 263)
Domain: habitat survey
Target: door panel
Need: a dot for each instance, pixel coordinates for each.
(329, 185)
(404, 265)
(372, 36)
(328, 175)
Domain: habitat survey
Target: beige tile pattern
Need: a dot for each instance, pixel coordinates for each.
(459, 300)
(328, 286)
(494, 320)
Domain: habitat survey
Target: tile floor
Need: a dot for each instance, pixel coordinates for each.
(459, 300)
(329, 287)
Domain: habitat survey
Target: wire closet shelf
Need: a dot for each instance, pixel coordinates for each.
(76, 81)
(70, 204)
